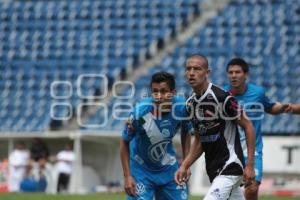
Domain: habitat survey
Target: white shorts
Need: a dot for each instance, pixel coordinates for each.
(225, 187)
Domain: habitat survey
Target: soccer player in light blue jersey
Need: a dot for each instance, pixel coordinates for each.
(147, 153)
(254, 101)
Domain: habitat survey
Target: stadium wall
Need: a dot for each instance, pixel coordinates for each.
(98, 168)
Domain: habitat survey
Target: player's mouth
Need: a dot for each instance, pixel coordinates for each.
(234, 82)
(157, 101)
(192, 80)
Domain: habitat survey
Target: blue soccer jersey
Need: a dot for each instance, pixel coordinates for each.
(254, 102)
(151, 143)
(152, 155)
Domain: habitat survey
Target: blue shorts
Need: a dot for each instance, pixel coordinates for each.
(258, 167)
(160, 185)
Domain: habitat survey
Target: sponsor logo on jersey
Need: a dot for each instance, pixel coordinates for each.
(216, 193)
(165, 123)
(138, 159)
(140, 188)
(209, 138)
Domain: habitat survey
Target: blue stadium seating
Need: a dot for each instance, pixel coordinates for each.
(46, 41)
(265, 33)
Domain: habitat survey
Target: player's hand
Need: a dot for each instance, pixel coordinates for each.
(287, 108)
(130, 125)
(130, 186)
(249, 175)
(189, 173)
(182, 175)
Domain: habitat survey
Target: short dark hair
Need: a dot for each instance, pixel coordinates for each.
(159, 77)
(199, 56)
(239, 61)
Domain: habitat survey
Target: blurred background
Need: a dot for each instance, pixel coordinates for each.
(69, 69)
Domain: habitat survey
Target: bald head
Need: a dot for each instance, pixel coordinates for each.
(199, 59)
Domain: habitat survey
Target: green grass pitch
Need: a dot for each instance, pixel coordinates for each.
(98, 197)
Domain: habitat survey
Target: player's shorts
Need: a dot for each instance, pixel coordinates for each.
(225, 187)
(159, 185)
(258, 168)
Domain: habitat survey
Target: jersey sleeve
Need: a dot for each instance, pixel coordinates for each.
(186, 125)
(127, 133)
(188, 110)
(268, 104)
(231, 107)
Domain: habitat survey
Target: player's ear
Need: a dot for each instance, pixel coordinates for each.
(207, 72)
(173, 91)
(246, 75)
(185, 71)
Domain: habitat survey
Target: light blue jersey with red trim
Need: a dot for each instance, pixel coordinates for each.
(254, 102)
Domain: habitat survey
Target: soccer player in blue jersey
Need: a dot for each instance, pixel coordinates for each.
(147, 153)
(255, 102)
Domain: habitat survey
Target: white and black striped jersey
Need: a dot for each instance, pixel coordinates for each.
(214, 116)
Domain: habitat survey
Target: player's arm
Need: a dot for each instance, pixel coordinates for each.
(196, 151)
(124, 153)
(279, 108)
(185, 142)
(186, 131)
(127, 135)
(232, 110)
(186, 145)
(274, 108)
(129, 184)
(295, 108)
(246, 124)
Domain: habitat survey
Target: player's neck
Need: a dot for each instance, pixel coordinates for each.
(160, 111)
(241, 89)
(200, 90)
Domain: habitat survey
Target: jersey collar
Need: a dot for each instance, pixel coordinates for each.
(204, 95)
(234, 93)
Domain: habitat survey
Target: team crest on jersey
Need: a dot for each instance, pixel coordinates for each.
(165, 132)
(158, 151)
